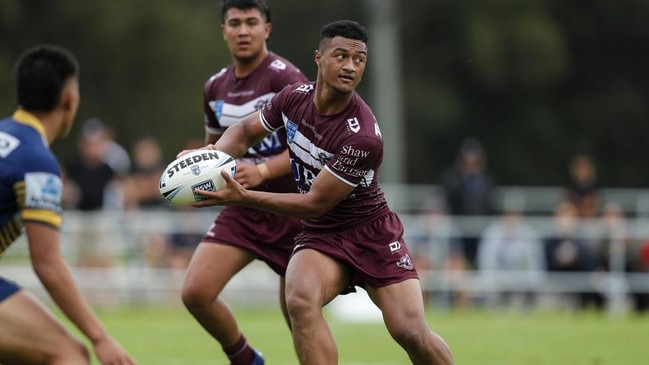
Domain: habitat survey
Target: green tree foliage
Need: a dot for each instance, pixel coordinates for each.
(533, 80)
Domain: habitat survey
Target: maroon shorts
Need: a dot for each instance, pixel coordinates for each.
(268, 235)
(375, 251)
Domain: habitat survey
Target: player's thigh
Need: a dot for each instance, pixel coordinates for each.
(30, 334)
(314, 276)
(401, 304)
(213, 265)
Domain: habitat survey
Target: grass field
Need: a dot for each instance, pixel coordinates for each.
(169, 336)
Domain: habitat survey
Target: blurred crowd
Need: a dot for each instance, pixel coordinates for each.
(106, 176)
(589, 234)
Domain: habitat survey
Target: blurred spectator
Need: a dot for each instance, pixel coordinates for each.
(510, 249)
(437, 245)
(582, 188)
(567, 250)
(113, 154)
(92, 182)
(96, 179)
(164, 250)
(148, 165)
(468, 190)
(618, 251)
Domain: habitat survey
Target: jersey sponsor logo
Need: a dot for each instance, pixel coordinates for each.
(353, 124)
(190, 161)
(261, 103)
(306, 88)
(43, 191)
(351, 151)
(342, 165)
(291, 130)
(405, 262)
(278, 64)
(395, 246)
(312, 128)
(8, 143)
(303, 177)
(377, 130)
(271, 144)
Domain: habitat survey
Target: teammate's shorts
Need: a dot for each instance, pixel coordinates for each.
(7, 288)
(375, 251)
(268, 235)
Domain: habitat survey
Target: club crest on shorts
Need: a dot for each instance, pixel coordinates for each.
(405, 262)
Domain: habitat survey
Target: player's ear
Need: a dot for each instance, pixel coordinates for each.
(318, 57)
(268, 27)
(223, 31)
(70, 96)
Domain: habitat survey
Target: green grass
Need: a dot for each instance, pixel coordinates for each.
(170, 336)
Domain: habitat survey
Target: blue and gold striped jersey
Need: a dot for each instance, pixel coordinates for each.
(30, 177)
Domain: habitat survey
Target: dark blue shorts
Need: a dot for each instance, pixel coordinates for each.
(7, 288)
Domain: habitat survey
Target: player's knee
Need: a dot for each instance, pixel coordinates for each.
(410, 338)
(192, 297)
(298, 304)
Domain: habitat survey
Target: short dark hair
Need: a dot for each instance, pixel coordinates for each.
(343, 28)
(41, 73)
(263, 7)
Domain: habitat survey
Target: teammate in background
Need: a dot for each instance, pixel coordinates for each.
(350, 236)
(30, 199)
(241, 235)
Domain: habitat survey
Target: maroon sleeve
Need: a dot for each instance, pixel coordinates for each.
(271, 113)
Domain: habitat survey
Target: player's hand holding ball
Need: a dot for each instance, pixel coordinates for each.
(203, 169)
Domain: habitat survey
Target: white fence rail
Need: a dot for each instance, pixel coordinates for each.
(122, 272)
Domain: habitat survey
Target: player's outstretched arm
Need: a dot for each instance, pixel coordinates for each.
(326, 191)
(54, 273)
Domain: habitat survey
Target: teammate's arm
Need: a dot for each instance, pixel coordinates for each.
(55, 275)
(249, 175)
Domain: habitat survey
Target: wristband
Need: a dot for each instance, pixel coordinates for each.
(263, 170)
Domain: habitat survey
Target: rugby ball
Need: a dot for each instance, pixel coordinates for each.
(199, 169)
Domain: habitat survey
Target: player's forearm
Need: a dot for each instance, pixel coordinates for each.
(59, 283)
(288, 204)
(277, 166)
(234, 141)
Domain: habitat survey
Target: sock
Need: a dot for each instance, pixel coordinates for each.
(240, 353)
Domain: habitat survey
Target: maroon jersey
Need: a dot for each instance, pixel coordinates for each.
(348, 145)
(228, 99)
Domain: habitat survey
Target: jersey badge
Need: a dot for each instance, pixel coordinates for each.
(43, 191)
(405, 262)
(8, 143)
(353, 124)
(291, 130)
(217, 108)
(278, 65)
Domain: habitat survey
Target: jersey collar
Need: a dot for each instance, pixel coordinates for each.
(29, 119)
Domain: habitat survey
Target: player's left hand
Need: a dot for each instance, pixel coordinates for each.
(231, 194)
(248, 175)
(110, 352)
